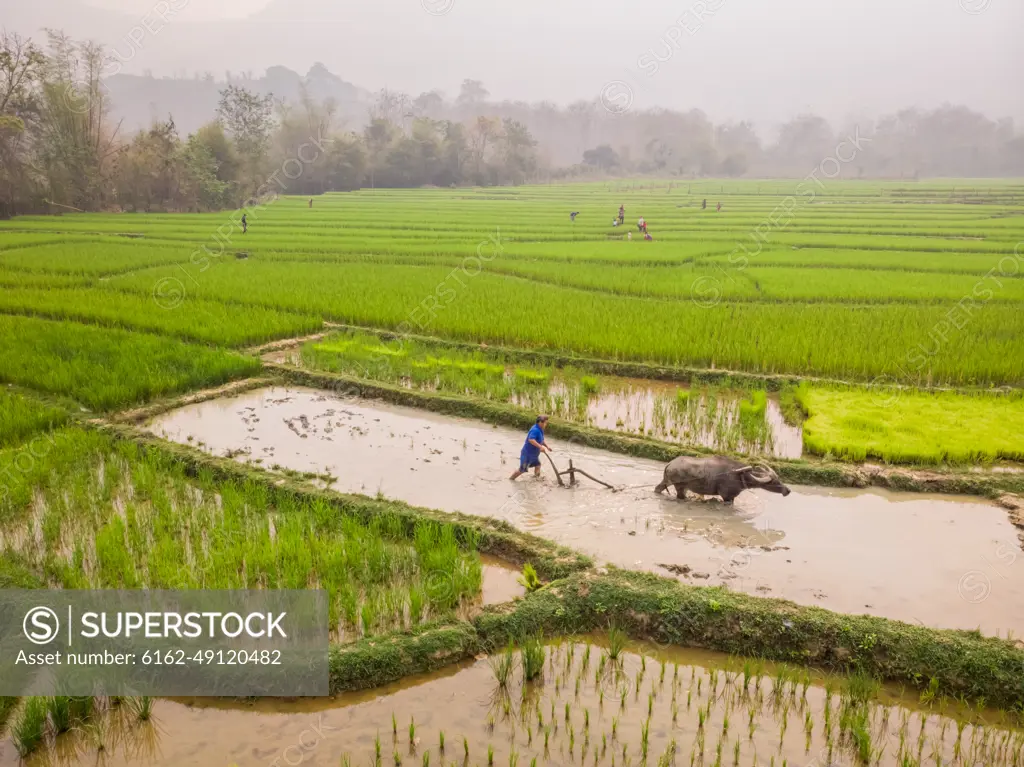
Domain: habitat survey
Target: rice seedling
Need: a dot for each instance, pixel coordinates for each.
(141, 707)
(529, 579)
(616, 642)
(60, 711)
(502, 665)
(29, 726)
(98, 731)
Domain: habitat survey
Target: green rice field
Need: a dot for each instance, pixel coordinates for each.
(115, 516)
(910, 283)
(917, 282)
(876, 321)
(913, 426)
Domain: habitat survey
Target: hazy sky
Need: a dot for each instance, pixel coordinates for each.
(759, 59)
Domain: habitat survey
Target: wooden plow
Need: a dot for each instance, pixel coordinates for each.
(572, 471)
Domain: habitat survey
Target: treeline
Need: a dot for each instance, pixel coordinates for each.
(60, 147)
(61, 150)
(610, 137)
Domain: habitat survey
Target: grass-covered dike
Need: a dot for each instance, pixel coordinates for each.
(652, 608)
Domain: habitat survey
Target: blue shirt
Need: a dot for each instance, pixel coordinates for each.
(531, 453)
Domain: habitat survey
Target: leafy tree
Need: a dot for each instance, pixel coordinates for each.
(21, 67)
(249, 120)
(603, 157)
(147, 171)
(473, 93)
(202, 186)
(518, 150)
(76, 142)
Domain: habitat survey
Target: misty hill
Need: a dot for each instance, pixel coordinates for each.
(750, 60)
(138, 100)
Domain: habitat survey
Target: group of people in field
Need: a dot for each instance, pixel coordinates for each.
(641, 223)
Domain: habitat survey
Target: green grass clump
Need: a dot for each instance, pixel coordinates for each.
(502, 665)
(532, 656)
(21, 417)
(529, 579)
(29, 726)
(532, 377)
(752, 414)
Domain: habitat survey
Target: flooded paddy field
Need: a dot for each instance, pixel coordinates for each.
(722, 417)
(583, 704)
(949, 562)
(666, 411)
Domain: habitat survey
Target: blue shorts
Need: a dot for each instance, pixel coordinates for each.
(525, 463)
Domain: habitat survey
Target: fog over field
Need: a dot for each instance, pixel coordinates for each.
(732, 59)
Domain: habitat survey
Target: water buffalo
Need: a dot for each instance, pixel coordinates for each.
(718, 476)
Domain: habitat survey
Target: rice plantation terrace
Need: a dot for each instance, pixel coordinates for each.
(333, 398)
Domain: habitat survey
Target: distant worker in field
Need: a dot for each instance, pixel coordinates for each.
(641, 225)
(704, 205)
(245, 224)
(572, 216)
(622, 214)
(529, 458)
(647, 235)
(311, 202)
(719, 207)
(629, 235)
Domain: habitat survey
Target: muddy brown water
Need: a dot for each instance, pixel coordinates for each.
(642, 406)
(501, 582)
(944, 561)
(581, 702)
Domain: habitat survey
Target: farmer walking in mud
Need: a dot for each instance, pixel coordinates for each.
(529, 458)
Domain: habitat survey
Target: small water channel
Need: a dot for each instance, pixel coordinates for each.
(951, 562)
(584, 708)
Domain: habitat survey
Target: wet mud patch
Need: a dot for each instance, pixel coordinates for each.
(941, 561)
